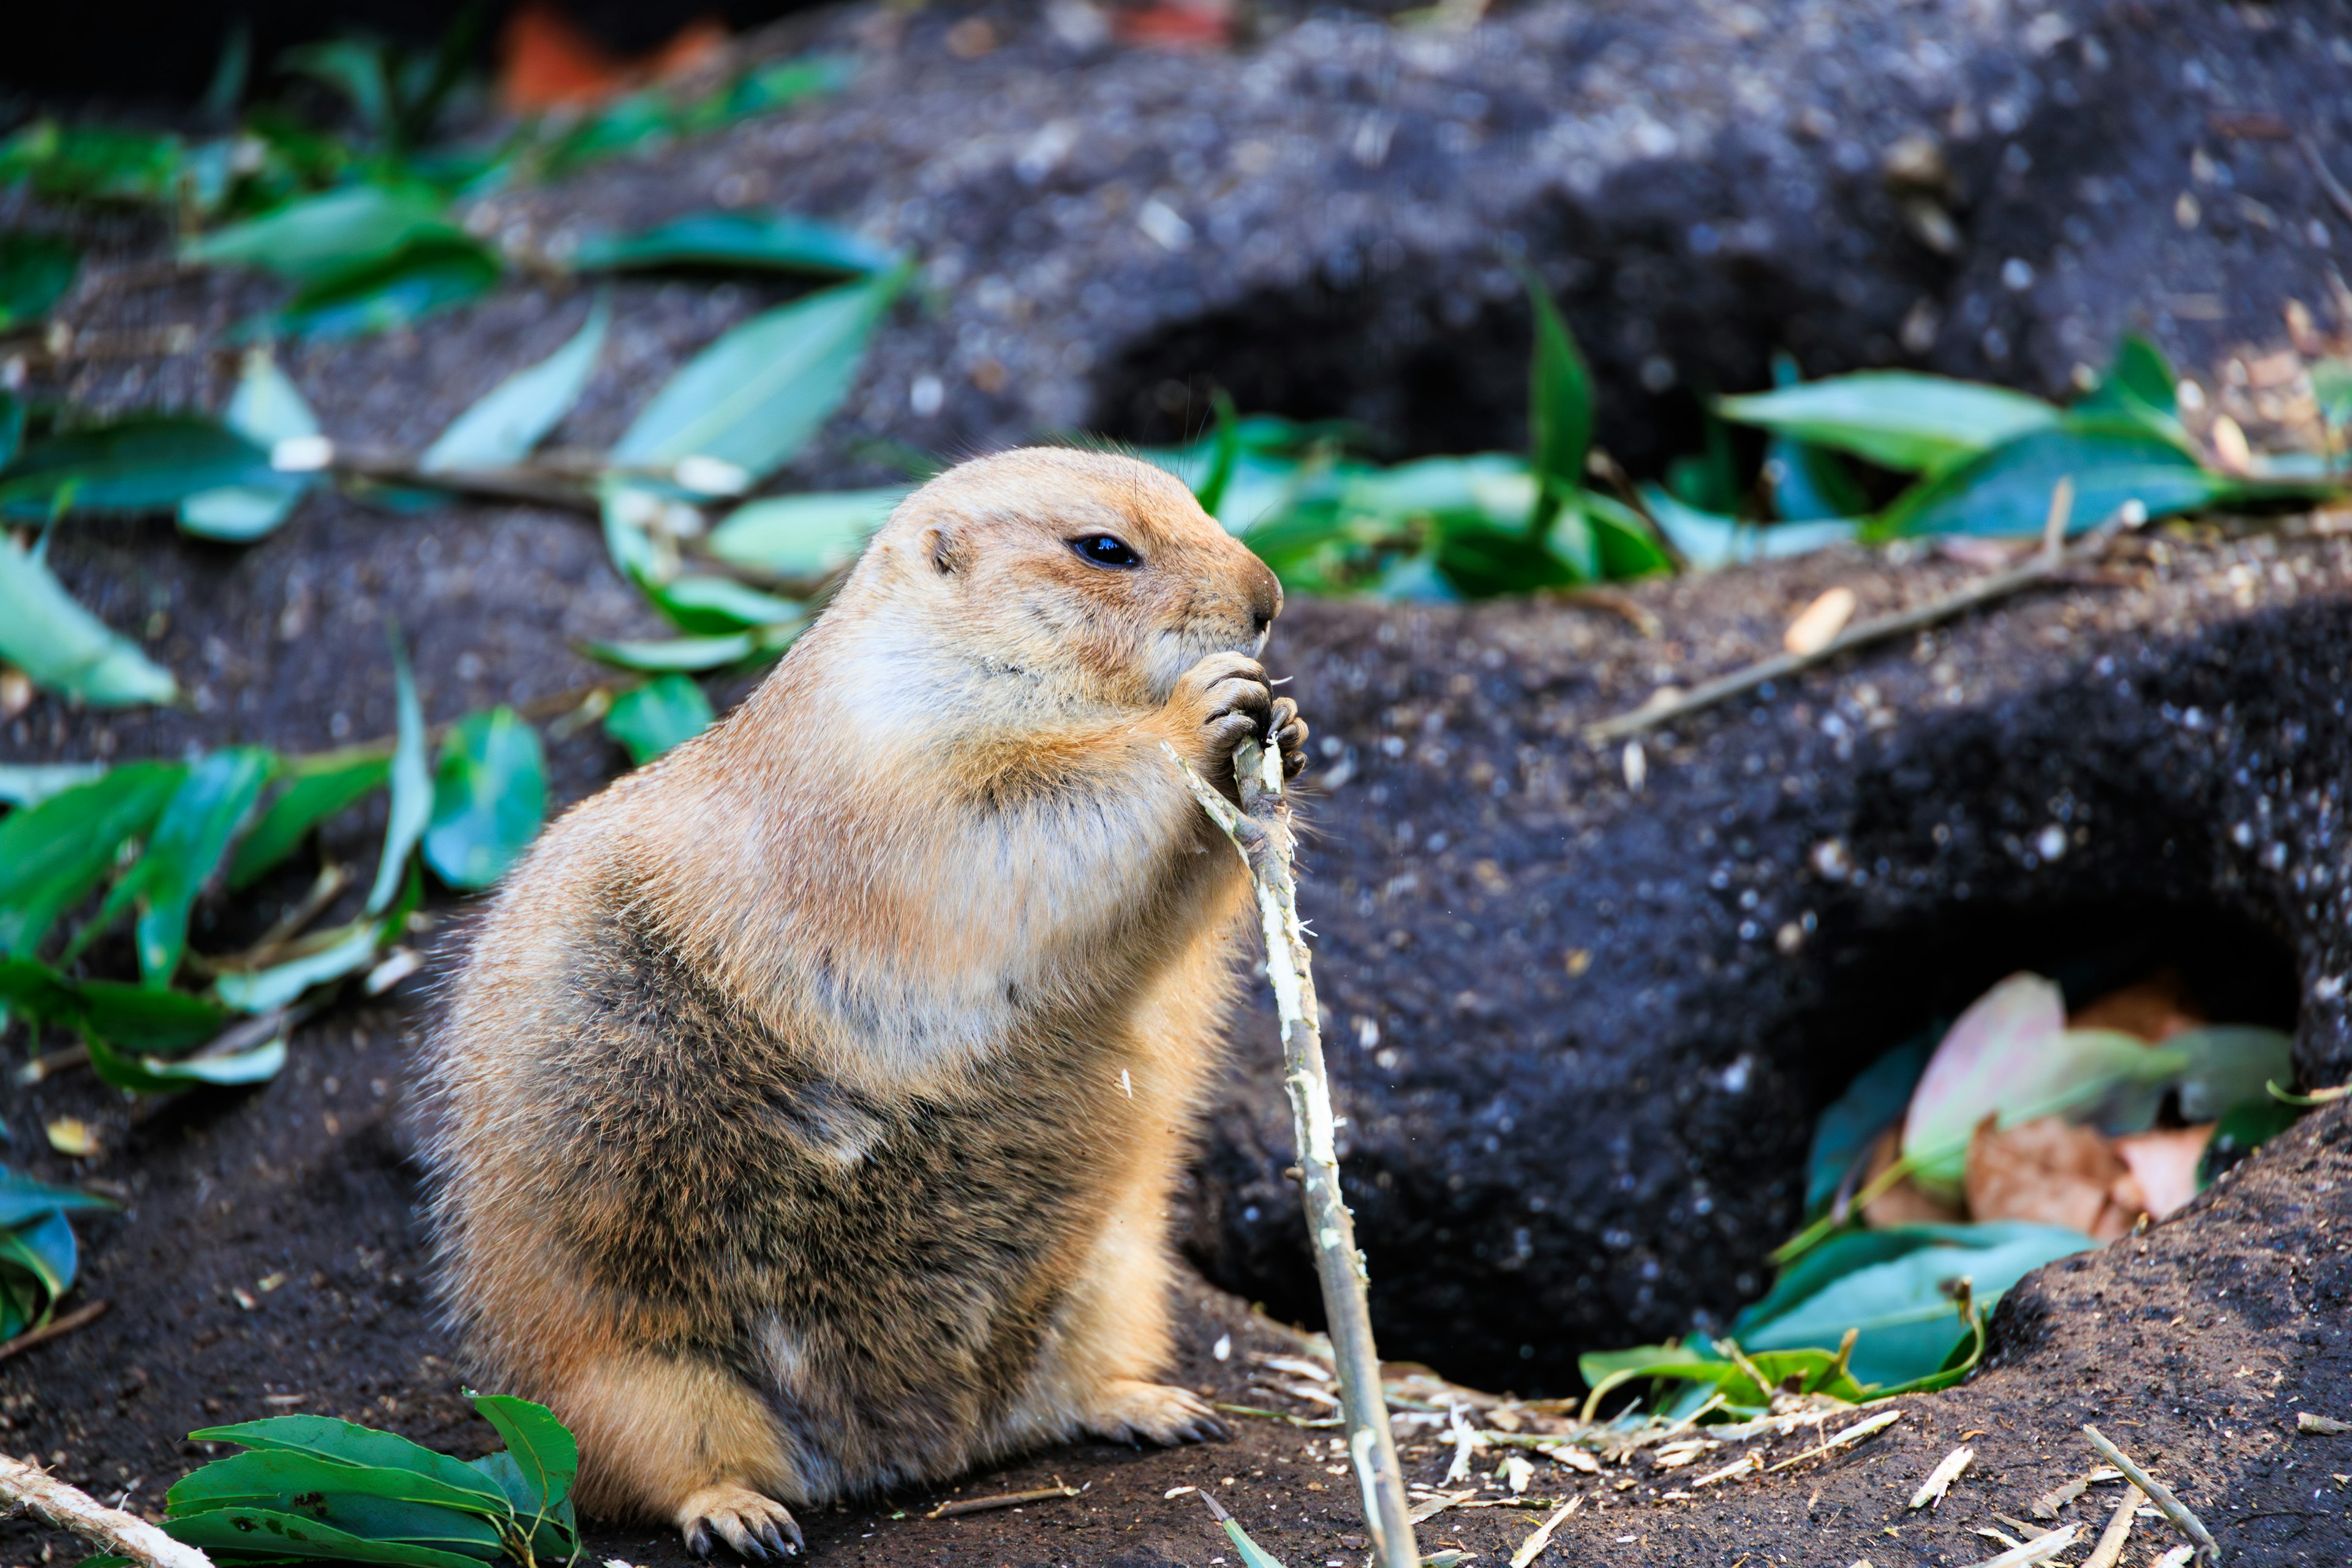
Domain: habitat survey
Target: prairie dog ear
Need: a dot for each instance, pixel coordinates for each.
(946, 552)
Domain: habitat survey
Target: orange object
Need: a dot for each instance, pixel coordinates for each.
(2052, 1173)
(2155, 1009)
(548, 61)
(1177, 25)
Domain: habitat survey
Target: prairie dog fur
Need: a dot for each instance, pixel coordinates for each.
(805, 1113)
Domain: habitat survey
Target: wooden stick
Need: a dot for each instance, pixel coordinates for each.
(2046, 566)
(2188, 1523)
(66, 1507)
(89, 1313)
(2109, 1551)
(1261, 831)
(1060, 1489)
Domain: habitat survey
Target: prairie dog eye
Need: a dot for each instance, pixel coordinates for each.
(1106, 549)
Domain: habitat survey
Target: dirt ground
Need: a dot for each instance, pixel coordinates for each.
(267, 1257)
(267, 1260)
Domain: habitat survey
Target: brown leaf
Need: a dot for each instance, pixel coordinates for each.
(1904, 1203)
(2155, 1009)
(2049, 1172)
(2163, 1163)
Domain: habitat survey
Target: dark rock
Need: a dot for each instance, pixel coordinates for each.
(1327, 224)
(1581, 1034)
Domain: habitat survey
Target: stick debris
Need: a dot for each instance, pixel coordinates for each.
(2188, 1523)
(2046, 566)
(1060, 1489)
(1532, 1547)
(1939, 1479)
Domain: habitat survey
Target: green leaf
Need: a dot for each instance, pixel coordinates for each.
(736, 239)
(2140, 386)
(709, 604)
(332, 234)
(686, 655)
(1560, 404)
(2006, 492)
(350, 1444)
(312, 795)
(2228, 1065)
(260, 990)
(52, 855)
(1897, 418)
(489, 797)
(254, 1535)
(1480, 560)
(656, 716)
(378, 1502)
(45, 1249)
(146, 1019)
(266, 408)
(29, 784)
(12, 428)
(144, 463)
(541, 1448)
(1871, 1104)
(755, 397)
(22, 1198)
(803, 538)
(188, 844)
(2331, 384)
(159, 1075)
(411, 782)
(2011, 1056)
(36, 270)
(1706, 541)
(1211, 491)
(396, 291)
(517, 414)
(92, 163)
(1252, 1555)
(1624, 545)
(1896, 1287)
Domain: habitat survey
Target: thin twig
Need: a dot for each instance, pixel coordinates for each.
(1260, 830)
(1060, 1489)
(62, 1507)
(56, 1328)
(2188, 1523)
(2044, 567)
(2328, 180)
(2041, 1549)
(2110, 1549)
(1532, 1547)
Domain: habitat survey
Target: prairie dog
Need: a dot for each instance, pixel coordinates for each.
(804, 1116)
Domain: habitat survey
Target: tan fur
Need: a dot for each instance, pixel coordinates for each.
(804, 1117)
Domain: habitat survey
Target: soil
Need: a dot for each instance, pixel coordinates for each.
(267, 1257)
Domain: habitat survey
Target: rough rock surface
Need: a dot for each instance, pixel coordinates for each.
(1327, 224)
(1581, 1033)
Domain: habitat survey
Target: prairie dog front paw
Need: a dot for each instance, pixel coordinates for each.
(1223, 701)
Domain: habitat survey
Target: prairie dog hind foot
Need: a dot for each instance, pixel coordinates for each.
(756, 1525)
(1134, 1412)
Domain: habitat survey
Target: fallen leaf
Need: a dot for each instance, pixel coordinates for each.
(2154, 1009)
(1904, 1203)
(2164, 1163)
(71, 1135)
(2051, 1173)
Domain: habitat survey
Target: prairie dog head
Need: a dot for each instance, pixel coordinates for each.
(1074, 579)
